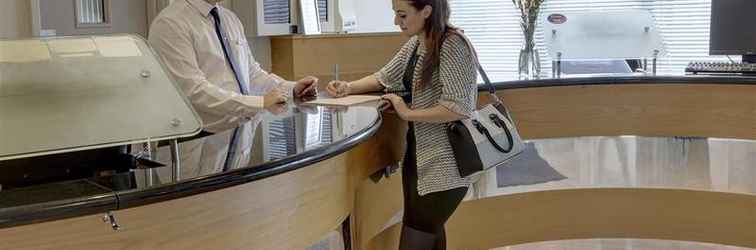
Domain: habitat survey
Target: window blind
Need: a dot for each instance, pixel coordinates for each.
(276, 11)
(91, 11)
(282, 139)
(323, 10)
(493, 26)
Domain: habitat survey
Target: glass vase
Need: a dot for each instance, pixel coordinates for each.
(529, 66)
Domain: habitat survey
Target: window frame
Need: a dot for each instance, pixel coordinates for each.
(106, 16)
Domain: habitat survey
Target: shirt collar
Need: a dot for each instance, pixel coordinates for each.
(203, 7)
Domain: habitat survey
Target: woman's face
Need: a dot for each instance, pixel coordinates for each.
(409, 19)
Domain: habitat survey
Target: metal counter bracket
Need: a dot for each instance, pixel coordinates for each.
(110, 219)
(175, 161)
(390, 170)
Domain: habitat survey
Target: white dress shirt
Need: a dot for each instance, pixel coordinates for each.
(184, 37)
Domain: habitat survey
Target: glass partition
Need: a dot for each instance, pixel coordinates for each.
(602, 35)
(75, 93)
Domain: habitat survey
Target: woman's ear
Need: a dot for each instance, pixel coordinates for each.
(427, 11)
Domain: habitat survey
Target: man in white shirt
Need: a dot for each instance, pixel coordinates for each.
(205, 49)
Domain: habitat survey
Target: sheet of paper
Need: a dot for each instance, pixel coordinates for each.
(345, 101)
(23, 51)
(117, 46)
(71, 46)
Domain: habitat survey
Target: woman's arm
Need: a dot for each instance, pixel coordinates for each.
(387, 78)
(365, 85)
(436, 114)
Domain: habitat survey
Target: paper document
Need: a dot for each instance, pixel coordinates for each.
(345, 101)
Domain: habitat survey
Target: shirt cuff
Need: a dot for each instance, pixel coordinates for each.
(257, 102)
(287, 87)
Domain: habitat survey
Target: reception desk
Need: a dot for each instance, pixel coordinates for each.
(300, 185)
(317, 183)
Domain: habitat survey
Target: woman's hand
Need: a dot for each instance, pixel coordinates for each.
(338, 89)
(399, 106)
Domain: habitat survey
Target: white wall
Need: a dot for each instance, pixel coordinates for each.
(371, 15)
(261, 51)
(15, 19)
(127, 16)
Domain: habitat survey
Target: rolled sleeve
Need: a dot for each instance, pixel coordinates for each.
(458, 75)
(390, 76)
(388, 86)
(175, 48)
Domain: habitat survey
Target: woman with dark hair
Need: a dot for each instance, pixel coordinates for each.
(436, 69)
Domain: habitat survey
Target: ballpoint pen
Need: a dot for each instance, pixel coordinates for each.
(336, 81)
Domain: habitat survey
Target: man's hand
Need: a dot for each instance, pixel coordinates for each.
(307, 86)
(273, 97)
(277, 109)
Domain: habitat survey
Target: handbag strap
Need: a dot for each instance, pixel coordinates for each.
(491, 89)
(409, 75)
(481, 71)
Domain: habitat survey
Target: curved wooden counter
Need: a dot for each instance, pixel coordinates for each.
(283, 204)
(704, 110)
(292, 208)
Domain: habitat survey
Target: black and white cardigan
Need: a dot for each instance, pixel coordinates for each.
(454, 87)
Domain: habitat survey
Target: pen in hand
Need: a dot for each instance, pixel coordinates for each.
(336, 72)
(336, 82)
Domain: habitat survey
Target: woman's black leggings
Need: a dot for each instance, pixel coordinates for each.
(427, 213)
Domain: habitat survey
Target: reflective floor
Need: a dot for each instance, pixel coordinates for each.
(332, 241)
(620, 244)
(628, 161)
(721, 165)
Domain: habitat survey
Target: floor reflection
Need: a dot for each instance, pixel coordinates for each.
(620, 244)
(628, 161)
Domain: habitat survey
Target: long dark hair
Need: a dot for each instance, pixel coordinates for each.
(436, 28)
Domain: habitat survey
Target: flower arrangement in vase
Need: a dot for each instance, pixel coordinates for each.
(529, 62)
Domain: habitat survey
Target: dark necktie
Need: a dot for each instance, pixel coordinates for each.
(227, 51)
(231, 154)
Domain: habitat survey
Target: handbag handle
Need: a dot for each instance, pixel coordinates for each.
(483, 130)
(503, 125)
